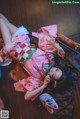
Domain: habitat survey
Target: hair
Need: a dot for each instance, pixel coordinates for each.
(67, 80)
(33, 40)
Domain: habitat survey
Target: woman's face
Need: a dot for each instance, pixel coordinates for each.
(55, 73)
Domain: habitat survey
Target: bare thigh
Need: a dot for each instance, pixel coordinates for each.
(12, 28)
(6, 35)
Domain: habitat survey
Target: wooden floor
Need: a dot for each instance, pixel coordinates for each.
(33, 14)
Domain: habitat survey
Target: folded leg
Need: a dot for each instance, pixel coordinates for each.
(6, 35)
(12, 28)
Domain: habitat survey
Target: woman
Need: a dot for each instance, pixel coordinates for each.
(34, 61)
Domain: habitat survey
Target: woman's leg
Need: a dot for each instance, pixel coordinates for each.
(3, 17)
(12, 28)
(5, 33)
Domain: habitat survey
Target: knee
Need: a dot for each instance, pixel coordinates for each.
(1, 21)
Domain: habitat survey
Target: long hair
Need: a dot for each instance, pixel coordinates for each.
(67, 80)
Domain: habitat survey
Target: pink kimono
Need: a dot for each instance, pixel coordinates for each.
(39, 59)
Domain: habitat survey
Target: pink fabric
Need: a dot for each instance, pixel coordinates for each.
(27, 84)
(39, 61)
(46, 46)
(21, 46)
(31, 83)
(51, 30)
(22, 39)
(21, 52)
(37, 64)
(19, 87)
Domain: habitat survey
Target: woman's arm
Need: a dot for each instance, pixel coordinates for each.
(30, 94)
(60, 51)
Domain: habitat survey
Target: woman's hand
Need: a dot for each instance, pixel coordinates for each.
(61, 53)
(46, 80)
